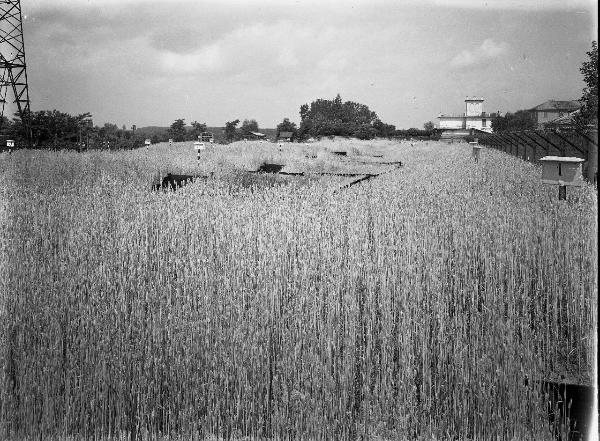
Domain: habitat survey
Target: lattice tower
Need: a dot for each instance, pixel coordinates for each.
(13, 69)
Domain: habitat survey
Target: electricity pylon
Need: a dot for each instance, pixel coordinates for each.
(13, 69)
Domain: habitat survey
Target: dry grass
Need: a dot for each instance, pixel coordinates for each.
(410, 307)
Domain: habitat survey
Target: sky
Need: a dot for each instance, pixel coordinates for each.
(149, 62)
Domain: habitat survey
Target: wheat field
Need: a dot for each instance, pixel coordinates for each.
(410, 307)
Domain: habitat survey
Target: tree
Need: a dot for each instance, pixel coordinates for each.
(335, 117)
(53, 128)
(177, 130)
(286, 126)
(231, 130)
(520, 120)
(588, 114)
(249, 125)
(365, 131)
(384, 130)
(197, 129)
(109, 131)
(429, 126)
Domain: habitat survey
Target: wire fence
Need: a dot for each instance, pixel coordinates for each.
(532, 145)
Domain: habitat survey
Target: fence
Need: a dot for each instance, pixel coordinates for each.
(531, 145)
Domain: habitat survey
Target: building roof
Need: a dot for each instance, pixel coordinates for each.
(257, 134)
(554, 105)
(286, 134)
(565, 120)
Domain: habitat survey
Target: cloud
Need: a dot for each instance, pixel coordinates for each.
(534, 5)
(488, 50)
(209, 58)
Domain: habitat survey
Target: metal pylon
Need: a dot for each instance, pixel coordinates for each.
(13, 69)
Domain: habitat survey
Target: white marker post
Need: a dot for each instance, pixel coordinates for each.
(170, 142)
(10, 144)
(148, 142)
(199, 146)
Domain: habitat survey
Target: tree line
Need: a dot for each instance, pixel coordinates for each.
(53, 129)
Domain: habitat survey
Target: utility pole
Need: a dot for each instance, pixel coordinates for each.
(13, 69)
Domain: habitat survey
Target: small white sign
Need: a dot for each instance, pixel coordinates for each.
(148, 142)
(199, 146)
(170, 141)
(10, 143)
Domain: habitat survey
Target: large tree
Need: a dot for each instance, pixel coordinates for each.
(249, 125)
(588, 114)
(334, 117)
(231, 130)
(177, 130)
(429, 126)
(197, 129)
(287, 126)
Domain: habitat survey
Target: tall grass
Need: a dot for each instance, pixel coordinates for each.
(410, 307)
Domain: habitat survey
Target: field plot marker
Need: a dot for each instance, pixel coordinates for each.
(476, 149)
(148, 142)
(199, 146)
(562, 171)
(10, 144)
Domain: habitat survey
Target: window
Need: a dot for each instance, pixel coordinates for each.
(545, 114)
(484, 122)
(559, 169)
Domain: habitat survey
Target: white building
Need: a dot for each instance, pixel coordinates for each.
(473, 118)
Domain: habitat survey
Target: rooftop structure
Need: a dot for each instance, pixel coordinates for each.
(473, 118)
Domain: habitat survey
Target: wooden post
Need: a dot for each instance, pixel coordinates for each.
(562, 192)
(592, 158)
